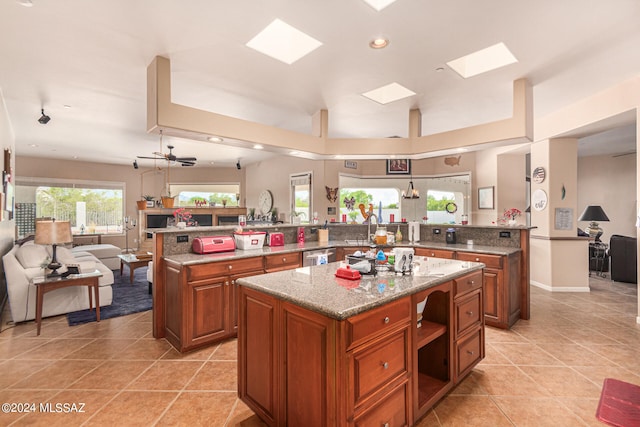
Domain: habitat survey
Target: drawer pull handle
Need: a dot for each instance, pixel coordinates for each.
(284, 259)
(471, 282)
(470, 313)
(385, 365)
(471, 353)
(385, 425)
(230, 267)
(386, 320)
(477, 259)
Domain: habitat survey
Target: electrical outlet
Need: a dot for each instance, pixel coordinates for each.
(436, 231)
(182, 239)
(505, 234)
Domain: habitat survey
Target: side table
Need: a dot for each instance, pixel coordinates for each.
(48, 284)
(134, 261)
(598, 258)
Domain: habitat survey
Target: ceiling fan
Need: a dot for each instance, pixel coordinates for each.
(170, 157)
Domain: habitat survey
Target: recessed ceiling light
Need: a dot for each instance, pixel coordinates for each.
(379, 43)
(379, 4)
(33, 145)
(484, 60)
(281, 41)
(389, 93)
(258, 147)
(215, 139)
(25, 3)
(211, 163)
(67, 106)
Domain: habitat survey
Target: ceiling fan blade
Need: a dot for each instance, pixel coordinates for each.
(152, 158)
(186, 159)
(187, 163)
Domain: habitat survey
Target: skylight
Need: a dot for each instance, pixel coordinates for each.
(488, 59)
(379, 4)
(281, 41)
(389, 93)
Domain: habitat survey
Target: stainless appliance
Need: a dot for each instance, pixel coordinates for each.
(318, 257)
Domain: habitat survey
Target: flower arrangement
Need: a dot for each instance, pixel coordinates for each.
(511, 214)
(183, 215)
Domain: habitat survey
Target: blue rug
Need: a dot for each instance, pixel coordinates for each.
(127, 298)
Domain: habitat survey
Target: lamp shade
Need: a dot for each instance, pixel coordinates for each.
(593, 213)
(53, 232)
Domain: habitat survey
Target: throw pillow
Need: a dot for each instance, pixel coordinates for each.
(31, 255)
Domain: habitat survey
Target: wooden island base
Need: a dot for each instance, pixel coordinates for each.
(299, 367)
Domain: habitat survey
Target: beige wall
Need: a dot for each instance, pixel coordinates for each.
(154, 183)
(611, 183)
(7, 227)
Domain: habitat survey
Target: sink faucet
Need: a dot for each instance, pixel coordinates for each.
(369, 225)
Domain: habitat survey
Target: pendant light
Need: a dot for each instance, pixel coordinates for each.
(411, 192)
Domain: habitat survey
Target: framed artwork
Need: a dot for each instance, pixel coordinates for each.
(398, 166)
(151, 203)
(485, 198)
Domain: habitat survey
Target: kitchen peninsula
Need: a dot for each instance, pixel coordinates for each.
(315, 349)
(195, 296)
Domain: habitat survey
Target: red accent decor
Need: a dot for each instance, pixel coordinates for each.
(619, 403)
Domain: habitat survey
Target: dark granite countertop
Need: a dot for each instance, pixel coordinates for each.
(318, 289)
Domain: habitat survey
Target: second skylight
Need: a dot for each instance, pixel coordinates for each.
(283, 42)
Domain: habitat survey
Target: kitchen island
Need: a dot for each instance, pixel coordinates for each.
(317, 350)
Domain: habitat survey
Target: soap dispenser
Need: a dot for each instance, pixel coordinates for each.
(398, 235)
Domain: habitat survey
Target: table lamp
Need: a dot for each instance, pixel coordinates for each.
(593, 213)
(53, 233)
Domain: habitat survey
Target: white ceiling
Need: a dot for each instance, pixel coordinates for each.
(92, 55)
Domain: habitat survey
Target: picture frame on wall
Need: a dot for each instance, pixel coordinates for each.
(398, 166)
(485, 197)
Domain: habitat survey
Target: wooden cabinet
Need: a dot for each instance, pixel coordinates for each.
(502, 290)
(435, 253)
(279, 262)
(298, 367)
(343, 251)
(468, 322)
(203, 307)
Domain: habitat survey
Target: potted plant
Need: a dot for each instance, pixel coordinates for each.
(144, 203)
(168, 201)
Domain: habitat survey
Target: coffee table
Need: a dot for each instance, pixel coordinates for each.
(47, 284)
(134, 261)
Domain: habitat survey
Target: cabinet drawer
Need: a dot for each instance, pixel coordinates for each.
(391, 411)
(493, 261)
(468, 312)
(282, 260)
(467, 283)
(468, 352)
(374, 366)
(434, 253)
(222, 268)
(362, 327)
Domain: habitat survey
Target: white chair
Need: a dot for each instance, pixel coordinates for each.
(150, 276)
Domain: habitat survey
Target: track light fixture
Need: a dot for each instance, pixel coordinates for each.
(44, 119)
(238, 165)
(135, 164)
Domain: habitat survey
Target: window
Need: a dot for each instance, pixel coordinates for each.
(90, 207)
(385, 203)
(301, 197)
(213, 194)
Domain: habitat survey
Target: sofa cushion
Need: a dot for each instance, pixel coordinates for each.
(30, 255)
(103, 250)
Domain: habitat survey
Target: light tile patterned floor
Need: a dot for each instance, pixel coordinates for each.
(545, 371)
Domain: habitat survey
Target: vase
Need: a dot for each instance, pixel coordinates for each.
(181, 224)
(167, 202)
(512, 222)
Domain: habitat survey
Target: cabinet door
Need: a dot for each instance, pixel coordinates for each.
(258, 354)
(233, 299)
(493, 294)
(206, 318)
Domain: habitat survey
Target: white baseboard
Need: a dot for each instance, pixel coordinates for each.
(560, 288)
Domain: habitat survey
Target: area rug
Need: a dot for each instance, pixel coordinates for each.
(127, 299)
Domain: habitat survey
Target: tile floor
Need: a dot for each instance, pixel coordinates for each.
(547, 371)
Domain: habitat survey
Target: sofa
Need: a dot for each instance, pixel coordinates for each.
(106, 253)
(623, 254)
(26, 261)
